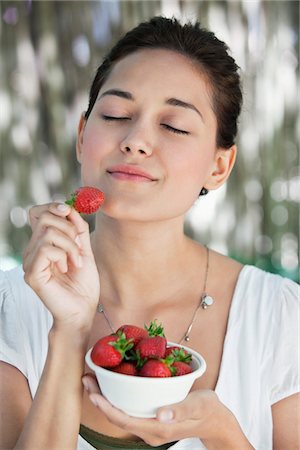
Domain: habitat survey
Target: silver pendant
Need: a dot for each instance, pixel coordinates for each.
(206, 301)
(100, 308)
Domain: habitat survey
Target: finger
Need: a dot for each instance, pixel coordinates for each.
(83, 232)
(41, 265)
(90, 384)
(47, 218)
(54, 237)
(196, 405)
(150, 430)
(35, 212)
(114, 415)
(58, 239)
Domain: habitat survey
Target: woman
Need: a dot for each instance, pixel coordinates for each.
(159, 129)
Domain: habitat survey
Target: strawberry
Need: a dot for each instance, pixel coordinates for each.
(133, 332)
(126, 368)
(179, 354)
(155, 368)
(181, 368)
(86, 200)
(151, 347)
(109, 351)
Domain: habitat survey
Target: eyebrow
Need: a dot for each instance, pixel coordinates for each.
(181, 103)
(169, 101)
(118, 93)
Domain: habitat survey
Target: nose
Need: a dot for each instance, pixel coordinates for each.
(136, 143)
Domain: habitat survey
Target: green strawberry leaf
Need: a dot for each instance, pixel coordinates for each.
(155, 330)
(181, 355)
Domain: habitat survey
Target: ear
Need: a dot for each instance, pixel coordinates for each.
(223, 164)
(79, 140)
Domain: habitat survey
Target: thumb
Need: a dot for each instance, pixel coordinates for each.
(166, 414)
(180, 411)
(197, 404)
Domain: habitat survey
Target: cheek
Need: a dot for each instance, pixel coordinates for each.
(94, 147)
(191, 168)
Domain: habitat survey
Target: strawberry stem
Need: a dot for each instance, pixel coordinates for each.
(181, 355)
(155, 330)
(71, 201)
(122, 344)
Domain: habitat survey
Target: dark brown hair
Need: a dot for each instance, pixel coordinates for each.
(200, 46)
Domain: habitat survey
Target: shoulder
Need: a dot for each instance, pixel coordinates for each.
(268, 303)
(269, 288)
(258, 296)
(16, 294)
(12, 279)
(11, 282)
(24, 326)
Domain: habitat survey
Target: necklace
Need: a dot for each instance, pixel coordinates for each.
(205, 301)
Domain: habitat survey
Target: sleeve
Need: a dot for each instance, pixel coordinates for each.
(11, 343)
(285, 367)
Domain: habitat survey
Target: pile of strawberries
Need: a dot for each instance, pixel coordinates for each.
(141, 352)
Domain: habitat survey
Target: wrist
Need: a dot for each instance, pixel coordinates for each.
(64, 337)
(229, 434)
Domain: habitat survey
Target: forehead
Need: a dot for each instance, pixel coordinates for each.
(159, 70)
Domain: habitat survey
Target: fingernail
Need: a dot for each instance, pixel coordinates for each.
(77, 241)
(62, 207)
(86, 384)
(166, 415)
(79, 261)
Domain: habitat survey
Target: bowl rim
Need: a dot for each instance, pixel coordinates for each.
(192, 375)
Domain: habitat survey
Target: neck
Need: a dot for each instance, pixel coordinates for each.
(141, 258)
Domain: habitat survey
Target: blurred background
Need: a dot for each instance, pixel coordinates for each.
(49, 53)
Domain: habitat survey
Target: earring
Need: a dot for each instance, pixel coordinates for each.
(203, 191)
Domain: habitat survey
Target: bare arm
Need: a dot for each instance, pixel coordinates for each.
(54, 417)
(59, 265)
(52, 420)
(286, 419)
(15, 402)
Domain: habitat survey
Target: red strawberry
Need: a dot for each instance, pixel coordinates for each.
(133, 332)
(110, 350)
(181, 368)
(155, 368)
(127, 368)
(151, 347)
(86, 200)
(179, 354)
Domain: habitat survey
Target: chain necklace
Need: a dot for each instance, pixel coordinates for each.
(205, 301)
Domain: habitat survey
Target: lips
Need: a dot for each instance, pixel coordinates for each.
(130, 172)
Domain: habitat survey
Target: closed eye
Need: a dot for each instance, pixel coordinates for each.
(174, 130)
(111, 118)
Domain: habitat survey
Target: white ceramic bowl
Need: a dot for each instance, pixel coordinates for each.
(142, 396)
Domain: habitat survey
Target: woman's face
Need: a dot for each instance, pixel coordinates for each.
(149, 142)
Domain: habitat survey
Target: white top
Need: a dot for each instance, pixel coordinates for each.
(260, 357)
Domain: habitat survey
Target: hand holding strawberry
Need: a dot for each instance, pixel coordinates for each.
(59, 264)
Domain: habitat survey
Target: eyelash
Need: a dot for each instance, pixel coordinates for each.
(166, 126)
(110, 118)
(174, 130)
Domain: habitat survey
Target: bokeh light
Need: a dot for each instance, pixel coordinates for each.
(49, 55)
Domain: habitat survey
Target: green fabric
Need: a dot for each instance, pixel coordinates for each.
(102, 442)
